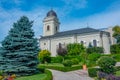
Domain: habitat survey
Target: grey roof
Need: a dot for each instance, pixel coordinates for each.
(72, 32)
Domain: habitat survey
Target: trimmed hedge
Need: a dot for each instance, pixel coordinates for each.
(116, 57)
(115, 49)
(75, 61)
(95, 50)
(94, 56)
(67, 63)
(49, 75)
(93, 72)
(61, 68)
(57, 59)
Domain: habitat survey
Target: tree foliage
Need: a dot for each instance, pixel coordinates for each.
(116, 33)
(75, 49)
(44, 56)
(107, 64)
(19, 49)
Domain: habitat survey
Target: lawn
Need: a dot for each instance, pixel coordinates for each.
(118, 73)
(33, 77)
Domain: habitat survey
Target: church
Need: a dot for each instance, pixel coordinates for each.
(52, 37)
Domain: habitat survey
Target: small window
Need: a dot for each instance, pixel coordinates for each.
(48, 28)
(44, 43)
(56, 28)
(60, 45)
(95, 43)
(82, 42)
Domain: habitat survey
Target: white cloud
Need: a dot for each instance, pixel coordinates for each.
(100, 20)
(8, 17)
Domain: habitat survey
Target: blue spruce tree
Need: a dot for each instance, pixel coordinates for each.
(19, 49)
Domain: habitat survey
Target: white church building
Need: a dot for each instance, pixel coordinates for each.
(52, 37)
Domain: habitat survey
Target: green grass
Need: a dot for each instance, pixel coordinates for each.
(33, 77)
(53, 64)
(118, 73)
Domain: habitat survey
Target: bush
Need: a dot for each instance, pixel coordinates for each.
(112, 77)
(94, 50)
(75, 61)
(116, 57)
(67, 63)
(94, 56)
(75, 48)
(62, 51)
(107, 64)
(115, 49)
(44, 56)
(93, 72)
(61, 68)
(57, 59)
(42, 69)
(1, 72)
(49, 75)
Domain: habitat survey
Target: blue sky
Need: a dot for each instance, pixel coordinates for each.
(73, 14)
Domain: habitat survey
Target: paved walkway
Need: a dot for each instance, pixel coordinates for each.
(72, 75)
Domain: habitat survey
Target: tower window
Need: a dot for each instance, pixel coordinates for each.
(48, 28)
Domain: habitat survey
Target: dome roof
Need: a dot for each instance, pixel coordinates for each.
(51, 13)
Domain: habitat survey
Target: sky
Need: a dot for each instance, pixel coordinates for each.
(72, 14)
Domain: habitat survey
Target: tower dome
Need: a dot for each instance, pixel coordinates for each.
(51, 13)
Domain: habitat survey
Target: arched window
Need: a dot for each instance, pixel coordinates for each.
(60, 45)
(95, 43)
(56, 28)
(48, 28)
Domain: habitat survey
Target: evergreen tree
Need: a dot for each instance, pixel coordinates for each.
(19, 49)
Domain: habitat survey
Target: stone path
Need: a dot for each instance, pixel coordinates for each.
(72, 75)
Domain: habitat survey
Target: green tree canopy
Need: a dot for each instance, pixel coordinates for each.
(19, 49)
(116, 33)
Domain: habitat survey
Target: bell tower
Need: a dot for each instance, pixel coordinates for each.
(50, 24)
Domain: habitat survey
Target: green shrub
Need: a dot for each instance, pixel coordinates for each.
(93, 72)
(91, 63)
(57, 59)
(61, 68)
(67, 63)
(115, 49)
(94, 50)
(1, 72)
(61, 51)
(44, 56)
(94, 56)
(116, 57)
(75, 61)
(42, 69)
(75, 49)
(49, 75)
(107, 64)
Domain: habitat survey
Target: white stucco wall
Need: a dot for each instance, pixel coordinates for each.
(106, 44)
(51, 43)
(88, 38)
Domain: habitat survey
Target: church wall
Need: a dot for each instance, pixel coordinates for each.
(44, 44)
(55, 42)
(88, 38)
(106, 44)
